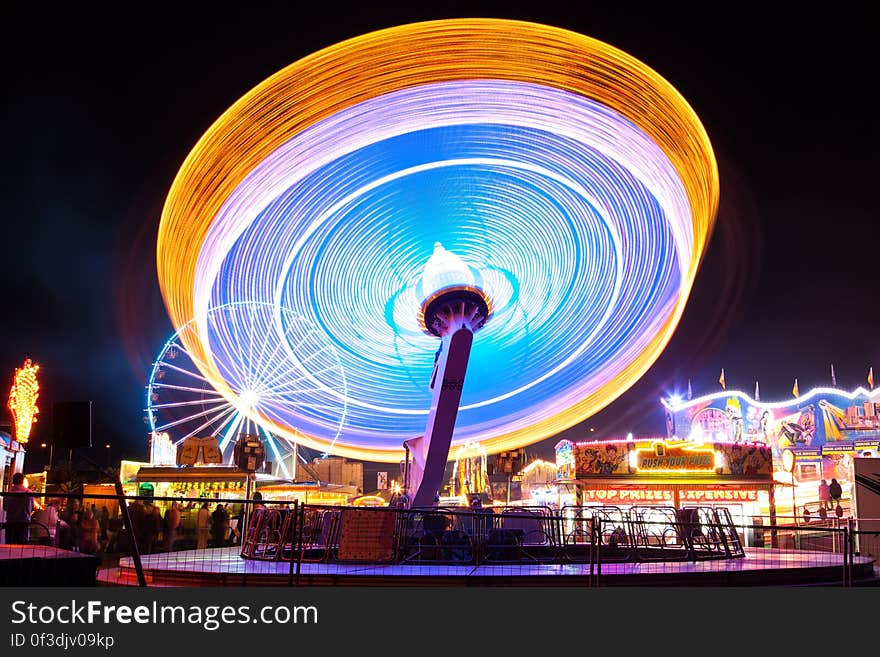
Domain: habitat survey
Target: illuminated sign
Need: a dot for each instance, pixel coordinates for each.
(162, 449)
(808, 454)
(819, 418)
(663, 457)
(628, 494)
(637, 494)
(847, 447)
(656, 456)
(23, 399)
(718, 495)
(601, 458)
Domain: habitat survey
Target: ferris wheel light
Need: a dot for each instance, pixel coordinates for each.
(249, 398)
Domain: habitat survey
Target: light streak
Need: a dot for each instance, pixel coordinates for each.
(573, 180)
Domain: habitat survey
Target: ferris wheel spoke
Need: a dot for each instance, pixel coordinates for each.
(251, 342)
(311, 375)
(305, 406)
(274, 447)
(317, 353)
(293, 347)
(303, 336)
(251, 372)
(199, 363)
(261, 358)
(194, 402)
(283, 392)
(237, 372)
(194, 375)
(221, 410)
(231, 428)
(274, 362)
(169, 386)
(291, 384)
(209, 422)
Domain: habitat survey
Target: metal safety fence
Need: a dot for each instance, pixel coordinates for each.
(76, 540)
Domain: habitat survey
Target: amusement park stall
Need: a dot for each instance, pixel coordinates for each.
(11, 459)
(670, 473)
(220, 484)
(224, 483)
(812, 437)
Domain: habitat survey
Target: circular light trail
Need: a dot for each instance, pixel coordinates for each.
(574, 182)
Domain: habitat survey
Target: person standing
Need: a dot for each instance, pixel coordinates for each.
(219, 525)
(835, 491)
(114, 527)
(824, 495)
(103, 521)
(137, 512)
(88, 535)
(203, 524)
(172, 522)
(18, 511)
(150, 529)
(69, 540)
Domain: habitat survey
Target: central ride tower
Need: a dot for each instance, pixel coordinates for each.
(454, 308)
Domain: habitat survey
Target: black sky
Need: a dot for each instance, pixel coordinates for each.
(101, 107)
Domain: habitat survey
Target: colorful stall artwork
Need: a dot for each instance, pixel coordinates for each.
(813, 420)
(824, 428)
(748, 460)
(565, 460)
(601, 458)
(651, 457)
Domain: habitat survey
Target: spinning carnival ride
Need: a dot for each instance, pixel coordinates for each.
(559, 186)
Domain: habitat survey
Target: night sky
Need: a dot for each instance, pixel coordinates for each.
(101, 109)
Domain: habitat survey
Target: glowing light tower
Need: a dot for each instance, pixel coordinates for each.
(454, 309)
(23, 399)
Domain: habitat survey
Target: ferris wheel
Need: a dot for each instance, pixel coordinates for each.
(276, 368)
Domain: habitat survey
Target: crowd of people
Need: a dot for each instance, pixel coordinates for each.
(70, 527)
(157, 532)
(68, 524)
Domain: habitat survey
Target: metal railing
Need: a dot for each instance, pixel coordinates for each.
(139, 541)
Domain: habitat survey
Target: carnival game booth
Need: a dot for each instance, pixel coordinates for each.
(220, 484)
(813, 436)
(660, 480)
(312, 493)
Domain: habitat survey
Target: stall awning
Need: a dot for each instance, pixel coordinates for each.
(193, 474)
